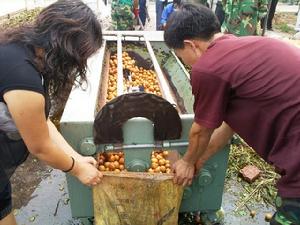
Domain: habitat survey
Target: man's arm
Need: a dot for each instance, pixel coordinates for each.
(198, 141)
(199, 138)
(218, 140)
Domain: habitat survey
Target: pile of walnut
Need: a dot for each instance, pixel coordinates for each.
(114, 161)
(139, 77)
(111, 162)
(112, 78)
(159, 163)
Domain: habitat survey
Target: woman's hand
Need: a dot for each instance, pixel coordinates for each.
(88, 159)
(86, 172)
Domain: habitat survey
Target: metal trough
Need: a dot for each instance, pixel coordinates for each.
(148, 50)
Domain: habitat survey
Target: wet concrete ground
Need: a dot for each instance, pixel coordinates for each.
(49, 205)
(26, 178)
(242, 217)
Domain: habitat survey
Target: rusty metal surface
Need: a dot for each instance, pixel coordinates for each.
(108, 122)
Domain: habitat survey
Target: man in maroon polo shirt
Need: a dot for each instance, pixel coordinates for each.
(248, 85)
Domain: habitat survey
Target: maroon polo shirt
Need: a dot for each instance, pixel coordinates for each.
(253, 84)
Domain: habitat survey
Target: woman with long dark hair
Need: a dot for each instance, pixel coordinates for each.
(36, 61)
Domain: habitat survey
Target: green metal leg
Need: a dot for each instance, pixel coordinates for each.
(212, 217)
(86, 221)
(186, 218)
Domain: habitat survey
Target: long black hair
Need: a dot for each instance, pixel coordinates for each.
(68, 32)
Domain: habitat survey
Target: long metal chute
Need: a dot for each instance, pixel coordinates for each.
(120, 66)
(164, 85)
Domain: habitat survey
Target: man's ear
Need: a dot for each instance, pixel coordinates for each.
(198, 46)
(191, 44)
(188, 43)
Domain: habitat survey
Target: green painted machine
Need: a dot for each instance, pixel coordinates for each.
(205, 194)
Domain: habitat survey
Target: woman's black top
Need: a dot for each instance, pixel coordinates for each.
(17, 72)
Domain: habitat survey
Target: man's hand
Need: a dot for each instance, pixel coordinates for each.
(184, 172)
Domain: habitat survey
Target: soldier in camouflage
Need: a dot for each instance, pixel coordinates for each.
(242, 16)
(123, 14)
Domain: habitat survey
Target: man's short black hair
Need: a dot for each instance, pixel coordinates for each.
(177, 2)
(190, 22)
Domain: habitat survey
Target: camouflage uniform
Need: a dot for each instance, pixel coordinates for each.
(121, 14)
(242, 16)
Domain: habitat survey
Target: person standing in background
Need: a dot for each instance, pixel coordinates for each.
(243, 16)
(159, 7)
(123, 13)
(168, 10)
(143, 12)
(220, 13)
(270, 15)
(161, 4)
